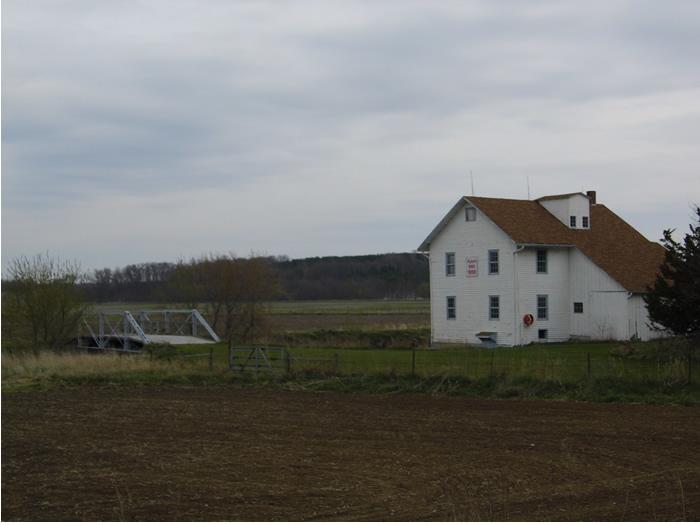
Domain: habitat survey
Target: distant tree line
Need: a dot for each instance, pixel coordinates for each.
(394, 275)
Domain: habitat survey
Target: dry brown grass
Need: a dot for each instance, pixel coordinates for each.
(19, 368)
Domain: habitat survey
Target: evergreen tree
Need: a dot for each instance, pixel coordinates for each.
(674, 300)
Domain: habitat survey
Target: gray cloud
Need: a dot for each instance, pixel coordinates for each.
(174, 128)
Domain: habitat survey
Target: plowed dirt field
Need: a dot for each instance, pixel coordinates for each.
(228, 454)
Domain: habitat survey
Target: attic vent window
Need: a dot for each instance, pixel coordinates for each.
(584, 222)
(470, 213)
(572, 221)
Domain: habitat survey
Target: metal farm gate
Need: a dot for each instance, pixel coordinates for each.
(258, 358)
(275, 359)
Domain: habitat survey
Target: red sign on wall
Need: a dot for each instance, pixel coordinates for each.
(472, 266)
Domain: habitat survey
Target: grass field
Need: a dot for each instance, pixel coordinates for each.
(562, 362)
(541, 371)
(354, 307)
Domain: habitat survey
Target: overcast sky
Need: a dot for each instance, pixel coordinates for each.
(137, 131)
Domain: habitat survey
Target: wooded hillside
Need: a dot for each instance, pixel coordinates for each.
(391, 275)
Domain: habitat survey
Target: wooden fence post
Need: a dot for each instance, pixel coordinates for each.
(287, 361)
(492, 355)
(211, 359)
(690, 365)
(413, 363)
(335, 363)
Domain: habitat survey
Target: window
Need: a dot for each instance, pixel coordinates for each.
(541, 261)
(542, 334)
(584, 222)
(578, 308)
(572, 221)
(452, 307)
(470, 213)
(493, 261)
(494, 307)
(542, 308)
(449, 263)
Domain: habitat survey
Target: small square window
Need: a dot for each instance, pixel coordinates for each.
(452, 307)
(541, 261)
(493, 261)
(542, 334)
(449, 263)
(578, 308)
(572, 221)
(584, 222)
(470, 213)
(494, 307)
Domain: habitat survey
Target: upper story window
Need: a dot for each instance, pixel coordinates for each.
(578, 308)
(450, 263)
(494, 307)
(572, 221)
(470, 213)
(542, 307)
(584, 222)
(493, 261)
(541, 261)
(452, 307)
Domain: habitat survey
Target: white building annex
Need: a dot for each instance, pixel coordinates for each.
(512, 272)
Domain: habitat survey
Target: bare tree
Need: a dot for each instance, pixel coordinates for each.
(235, 290)
(42, 303)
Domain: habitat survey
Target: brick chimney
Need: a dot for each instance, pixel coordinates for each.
(591, 196)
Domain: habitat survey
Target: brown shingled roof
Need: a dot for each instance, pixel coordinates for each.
(612, 244)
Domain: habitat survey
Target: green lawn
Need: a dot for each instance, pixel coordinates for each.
(558, 362)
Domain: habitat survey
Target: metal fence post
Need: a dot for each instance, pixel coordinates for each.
(413, 363)
(492, 355)
(211, 359)
(335, 363)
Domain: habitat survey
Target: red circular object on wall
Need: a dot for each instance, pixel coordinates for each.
(528, 319)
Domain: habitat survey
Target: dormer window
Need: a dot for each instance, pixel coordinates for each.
(572, 221)
(584, 222)
(470, 213)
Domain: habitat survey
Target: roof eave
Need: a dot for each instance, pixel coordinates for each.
(544, 245)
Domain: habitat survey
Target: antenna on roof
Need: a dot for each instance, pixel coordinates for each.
(527, 180)
(472, 178)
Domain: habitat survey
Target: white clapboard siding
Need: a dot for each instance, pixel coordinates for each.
(471, 239)
(553, 284)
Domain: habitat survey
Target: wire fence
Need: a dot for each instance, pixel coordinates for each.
(465, 363)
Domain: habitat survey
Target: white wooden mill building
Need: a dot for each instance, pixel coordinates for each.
(510, 272)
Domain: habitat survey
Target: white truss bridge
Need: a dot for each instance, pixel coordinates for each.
(122, 330)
